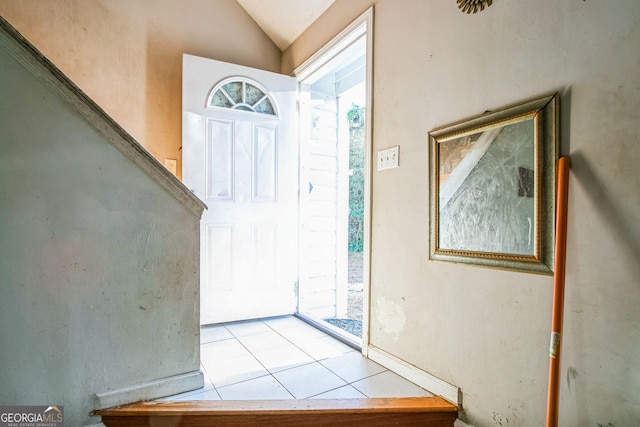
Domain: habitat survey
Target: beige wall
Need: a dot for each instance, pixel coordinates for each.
(485, 330)
(127, 55)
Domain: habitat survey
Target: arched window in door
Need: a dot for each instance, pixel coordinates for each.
(239, 93)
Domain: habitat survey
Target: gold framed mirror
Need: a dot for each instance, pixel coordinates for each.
(492, 193)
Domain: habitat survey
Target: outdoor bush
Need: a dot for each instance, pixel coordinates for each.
(356, 178)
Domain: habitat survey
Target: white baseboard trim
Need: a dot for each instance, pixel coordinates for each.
(150, 390)
(417, 376)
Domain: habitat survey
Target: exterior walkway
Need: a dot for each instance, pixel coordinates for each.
(285, 358)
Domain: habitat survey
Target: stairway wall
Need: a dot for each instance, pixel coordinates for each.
(99, 286)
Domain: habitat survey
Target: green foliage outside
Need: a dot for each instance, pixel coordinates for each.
(356, 177)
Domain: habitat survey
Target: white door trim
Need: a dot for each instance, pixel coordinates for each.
(362, 26)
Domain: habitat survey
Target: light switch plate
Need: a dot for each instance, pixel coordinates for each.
(388, 158)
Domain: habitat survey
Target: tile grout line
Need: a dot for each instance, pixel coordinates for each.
(257, 360)
(305, 364)
(209, 378)
(294, 344)
(233, 337)
(314, 360)
(289, 341)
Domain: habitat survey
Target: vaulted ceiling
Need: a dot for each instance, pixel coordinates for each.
(284, 20)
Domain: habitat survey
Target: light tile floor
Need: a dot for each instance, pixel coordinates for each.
(285, 358)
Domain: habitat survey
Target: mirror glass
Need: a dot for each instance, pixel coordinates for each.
(496, 213)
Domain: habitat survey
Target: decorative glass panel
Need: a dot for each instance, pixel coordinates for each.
(234, 89)
(264, 106)
(244, 96)
(253, 94)
(221, 100)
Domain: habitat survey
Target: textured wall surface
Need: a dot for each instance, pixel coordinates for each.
(486, 330)
(98, 263)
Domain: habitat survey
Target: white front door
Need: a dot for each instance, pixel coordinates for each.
(240, 156)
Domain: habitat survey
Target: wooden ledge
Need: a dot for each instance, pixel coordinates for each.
(233, 407)
(426, 411)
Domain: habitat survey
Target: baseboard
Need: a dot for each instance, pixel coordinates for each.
(150, 390)
(417, 376)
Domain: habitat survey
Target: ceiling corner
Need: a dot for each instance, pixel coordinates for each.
(284, 20)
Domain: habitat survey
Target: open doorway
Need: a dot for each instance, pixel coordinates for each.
(334, 90)
(287, 229)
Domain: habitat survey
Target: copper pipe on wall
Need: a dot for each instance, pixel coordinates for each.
(553, 397)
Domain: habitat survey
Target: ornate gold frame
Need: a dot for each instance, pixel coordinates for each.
(544, 114)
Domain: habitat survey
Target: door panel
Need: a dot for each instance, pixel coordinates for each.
(265, 163)
(219, 163)
(244, 166)
(219, 250)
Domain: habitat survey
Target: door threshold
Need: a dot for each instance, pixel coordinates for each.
(333, 331)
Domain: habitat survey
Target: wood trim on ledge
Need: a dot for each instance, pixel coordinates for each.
(424, 411)
(150, 390)
(56, 81)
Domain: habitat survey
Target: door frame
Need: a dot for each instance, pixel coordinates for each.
(363, 25)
